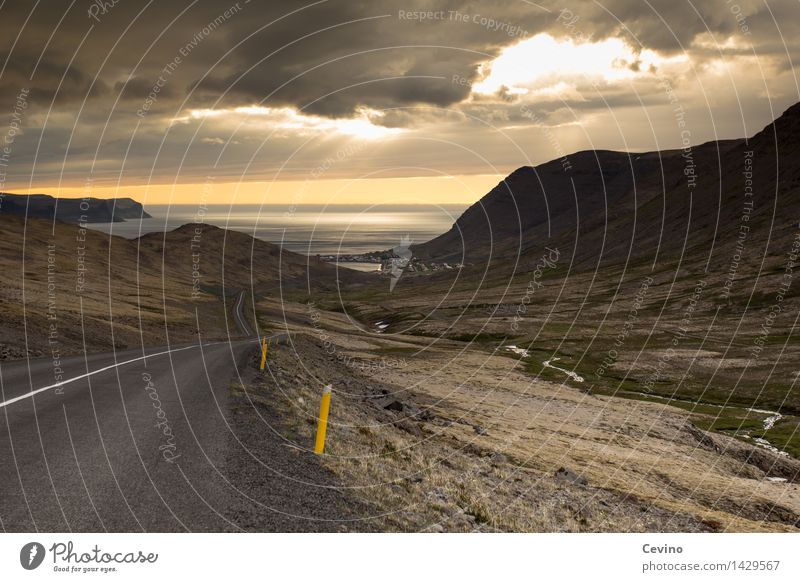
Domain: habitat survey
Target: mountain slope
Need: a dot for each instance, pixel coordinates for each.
(609, 207)
(63, 288)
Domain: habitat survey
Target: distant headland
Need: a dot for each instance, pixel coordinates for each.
(71, 210)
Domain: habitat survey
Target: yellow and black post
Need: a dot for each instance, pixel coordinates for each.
(264, 349)
(322, 424)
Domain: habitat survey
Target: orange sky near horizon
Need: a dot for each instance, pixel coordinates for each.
(364, 191)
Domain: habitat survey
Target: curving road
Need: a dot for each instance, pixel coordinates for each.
(238, 315)
(152, 440)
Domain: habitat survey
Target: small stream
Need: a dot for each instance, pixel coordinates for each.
(519, 351)
(771, 419)
(772, 416)
(547, 363)
(569, 373)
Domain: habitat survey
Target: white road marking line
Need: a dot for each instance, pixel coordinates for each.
(93, 372)
(111, 367)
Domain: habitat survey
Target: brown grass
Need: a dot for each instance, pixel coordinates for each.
(646, 468)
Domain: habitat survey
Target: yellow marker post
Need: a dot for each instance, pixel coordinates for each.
(264, 346)
(322, 424)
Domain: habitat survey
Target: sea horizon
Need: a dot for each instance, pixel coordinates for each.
(308, 229)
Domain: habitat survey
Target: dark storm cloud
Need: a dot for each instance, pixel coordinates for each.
(664, 25)
(337, 89)
(53, 79)
(351, 55)
(322, 49)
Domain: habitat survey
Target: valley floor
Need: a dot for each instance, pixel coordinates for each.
(436, 436)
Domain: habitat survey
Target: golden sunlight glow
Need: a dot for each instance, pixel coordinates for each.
(421, 190)
(289, 119)
(542, 63)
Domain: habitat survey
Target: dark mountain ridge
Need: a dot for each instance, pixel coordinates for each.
(610, 207)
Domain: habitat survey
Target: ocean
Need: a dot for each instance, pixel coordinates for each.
(305, 229)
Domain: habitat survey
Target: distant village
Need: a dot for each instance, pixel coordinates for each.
(387, 260)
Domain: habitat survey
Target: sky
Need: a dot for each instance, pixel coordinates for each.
(343, 101)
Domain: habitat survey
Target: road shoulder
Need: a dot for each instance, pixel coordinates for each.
(289, 489)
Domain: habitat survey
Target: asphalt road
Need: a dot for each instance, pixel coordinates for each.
(151, 440)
